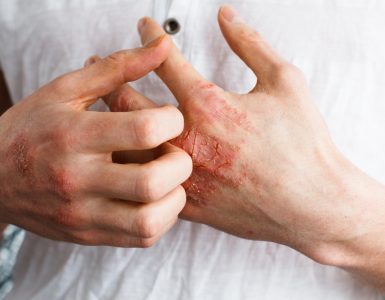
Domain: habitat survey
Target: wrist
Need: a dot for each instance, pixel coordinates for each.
(357, 238)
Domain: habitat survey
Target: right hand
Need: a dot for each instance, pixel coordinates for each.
(265, 166)
(57, 176)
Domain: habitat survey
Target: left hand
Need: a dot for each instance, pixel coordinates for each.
(265, 167)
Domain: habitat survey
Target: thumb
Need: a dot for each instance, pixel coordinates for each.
(86, 85)
(248, 43)
(124, 98)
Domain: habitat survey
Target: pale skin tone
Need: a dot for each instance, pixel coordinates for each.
(265, 167)
(57, 176)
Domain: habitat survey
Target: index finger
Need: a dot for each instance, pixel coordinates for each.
(124, 98)
(176, 72)
(135, 130)
(86, 85)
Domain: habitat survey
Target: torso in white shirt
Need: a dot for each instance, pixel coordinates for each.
(339, 44)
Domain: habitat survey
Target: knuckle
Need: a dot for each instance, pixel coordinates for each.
(113, 61)
(281, 70)
(84, 238)
(149, 186)
(188, 163)
(250, 36)
(181, 193)
(147, 225)
(116, 59)
(287, 73)
(63, 183)
(180, 198)
(69, 218)
(176, 117)
(173, 110)
(146, 243)
(61, 83)
(146, 131)
(118, 62)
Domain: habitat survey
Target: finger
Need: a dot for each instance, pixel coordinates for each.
(127, 98)
(144, 220)
(108, 238)
(248, 44)
(86, 85)
(176, 72)
(142, 183)
(136, 130)
(124, 98)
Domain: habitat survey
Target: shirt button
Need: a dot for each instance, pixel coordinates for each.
(171, 26)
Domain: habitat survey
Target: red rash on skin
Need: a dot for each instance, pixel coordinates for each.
(20, 154)
(218, 110)
(212, 160)
(61, 184)
(231, 117)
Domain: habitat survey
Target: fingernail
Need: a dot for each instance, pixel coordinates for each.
(231, 15)
(141, 24)
(154, 42)
(148, 42)
(91, 60)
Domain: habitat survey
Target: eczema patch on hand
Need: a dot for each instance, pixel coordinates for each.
(212, 160)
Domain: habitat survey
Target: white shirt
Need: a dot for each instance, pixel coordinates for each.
(339, 44)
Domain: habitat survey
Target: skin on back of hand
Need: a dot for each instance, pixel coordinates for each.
(265, 167)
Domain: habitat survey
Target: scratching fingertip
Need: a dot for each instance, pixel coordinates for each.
(224, 7)
(91, 60)
(230, 14)
(141, 24)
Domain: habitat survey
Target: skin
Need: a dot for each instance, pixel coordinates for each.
(58, 177)
(265, 167)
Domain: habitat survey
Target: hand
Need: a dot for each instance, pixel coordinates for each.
(265, 167)
(258, 158)
(57, 177)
